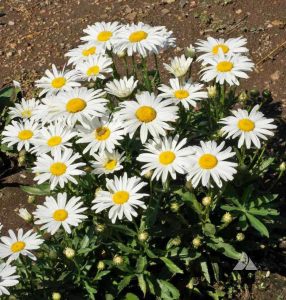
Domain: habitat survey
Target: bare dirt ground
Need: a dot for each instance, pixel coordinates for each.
(36, 33)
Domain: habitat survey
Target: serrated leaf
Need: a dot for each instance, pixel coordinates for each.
(258, 225)
(192, 201)
(228, 250)
(124, 282)
(141, 264)
(171, 265)
(168, 290)
(131, 296)
(205, 271)
(37, 190)
(142, 283)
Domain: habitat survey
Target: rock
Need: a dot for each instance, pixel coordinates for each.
(165, 11)
(276, 75)
(238, 11)
(131, 17)
(11, 23)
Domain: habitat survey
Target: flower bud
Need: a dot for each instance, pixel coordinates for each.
(226, 218)
(69, 253)
(25, 215)
(99, 227)
(282, 167)
(190, 51)
(190, 285)
(88, 169)
(175, 207)
(22, 158)
(143, 236)
(189, 185)
(56, 296)
(254, 93)
(117, 260)
(31, 199)
(53, 254)
(212, 92)
(207, 201)
(100, 265)
(176, 241)
(11, 297)
(97, 190)
(197, 242)
(243, 97)
(240, 236)
(148, 175)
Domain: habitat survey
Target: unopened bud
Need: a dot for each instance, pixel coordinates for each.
(11, 297)
(100, 265)
(212, 92)
(190, 285)
(31, 199)
(22, 158)
(254, 93)
(240, 237)
(56, 296)
(88, 169)
(53, 254)
(176, 241)
(69, 253)
(148, 175)
(197, 242)
(282, 167)
(189, 185)
(175, 206)
(117, 260)
(25, 215)
(97, 190)
(121, 54)
(226, 218)
(190, 51)
(207, 201)
(99, 227)
(243, 97)
(143, 236)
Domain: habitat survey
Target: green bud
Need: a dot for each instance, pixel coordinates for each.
(227, 218)
(69, 253)
(207, 201)
(143, 236)
(254, 93)
(243, 97)
(266, 94)
(53, 254)
(189, 185)
(176, 241)
(212, 92)
(56, 296)
(282, 167)
(197, 242)
(190, 51)
(11, 297)
(118, 260)
(240, 237)
(31, 199)
(99, 227)
(100, 265)
(175, 207)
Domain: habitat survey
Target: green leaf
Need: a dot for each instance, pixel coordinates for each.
(141, 264)
(171, 266)
(205, 271)
(228, 250)
(126, 249)
(131, 296)
(142, 283)
(263, 211)
(37, 190)
(215, 267)
(229, 207)
(259, 226)
(168, 290)
(85, 242)
(192, 201)
(124, 282)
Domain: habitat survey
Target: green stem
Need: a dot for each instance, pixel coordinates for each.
(157, 68)
(126, 65)
(145, 75)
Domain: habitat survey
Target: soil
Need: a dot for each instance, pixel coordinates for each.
(37, 33)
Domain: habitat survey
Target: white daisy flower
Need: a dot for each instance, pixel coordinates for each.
(165, 157)
(226, 68)
(179, 66)
(122, 197)
(169, 40)
(140, 38)
(20, 133)
(211, 47)
(27, 109)
(20, 243)
(208, 163)
(149, 113)
(57, 81)
(7, 278)
(94, 67)
(249, 127)
(121, 88)
(58, 169)
(102, 134)
(82, 52)
(78, 105)
(107, 163)
(102, 34)
(55, 137)
(58, 212)
(187, 94)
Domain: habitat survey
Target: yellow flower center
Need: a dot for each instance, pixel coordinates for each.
(60, 215)
(120, 197)
(181, 94)
(104, 36)
(111, 164)
(102, 133)
(223, 47)
(26, 113)
(18, 246)
(208, 161)
(58, 168)
(54, 141)
(224, 66)
(25, 134)
(146, 114)
(89, 51)
(58, 82)
(246, 125)
(138, 36)
(75, 105)
(92, 71)
(167, 157)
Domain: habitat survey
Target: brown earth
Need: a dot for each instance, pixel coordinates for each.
(36, 33)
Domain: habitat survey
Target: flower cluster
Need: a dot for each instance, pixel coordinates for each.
(91, 122)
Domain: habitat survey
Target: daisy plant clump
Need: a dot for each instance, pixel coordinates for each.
(145, 184)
